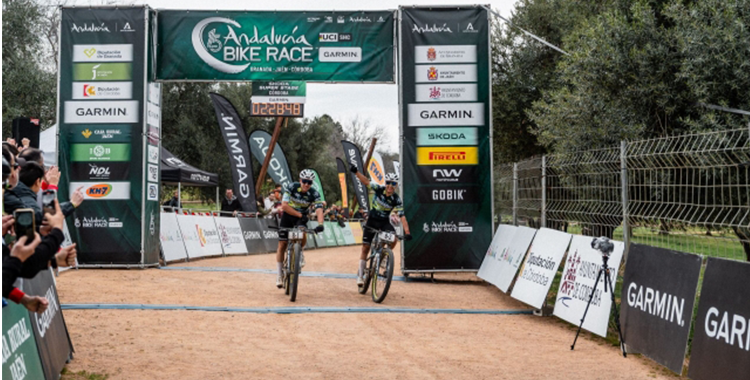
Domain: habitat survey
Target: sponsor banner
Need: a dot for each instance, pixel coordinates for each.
(252, 46)
(103, 191)
(270, 236)
(445, 73)
(658, 294)
(448, 174)
(200, 235)
(152, 154)
(153, 115)
(447, 136)
(447, 156)
(20, 355)
(721, 344)
(342, 170)
(500, 242)
(230, 235)
(102, 71)
(236, 142)
(376, 169)
(465, 194)
(100, 171)
(105, 236)
(279, 92)
(539, 268)
(348, 234)
(100, 134)
(101, 112)
(103, 53)
(154, 93)
(170, 238)
(337, 232)
(152, 173)
(329, 235)
(356, 232)
(252, 235)
(445, 54)
(450, 227)
(445, 114)
(152, 192)
(511, 258)
(464, 92)
(102, 90)
(354, 157)
(579, 275)
(50, 331)
(317, 185)
(320, 239)
(99, 152)
(153, 135)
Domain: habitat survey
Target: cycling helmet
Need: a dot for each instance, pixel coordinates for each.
(391, 177)
(307, 174)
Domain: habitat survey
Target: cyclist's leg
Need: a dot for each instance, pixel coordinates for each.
(287, 221)
(367, 236)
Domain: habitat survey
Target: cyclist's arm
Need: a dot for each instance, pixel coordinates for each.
(319, 214)
(363, 179)
(289, 210)
(405, 224)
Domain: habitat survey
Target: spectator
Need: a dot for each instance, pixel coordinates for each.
(23, 195)
(230, 203)
(174, 202)
(358, 215)
(51, 180)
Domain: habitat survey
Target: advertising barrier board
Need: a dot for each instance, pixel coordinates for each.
(509, 261)
(539, 268)
(500, 242)
(170, 237)
(230, 235)
(252, 235)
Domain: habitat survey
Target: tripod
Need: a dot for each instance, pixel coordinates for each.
(607, 281)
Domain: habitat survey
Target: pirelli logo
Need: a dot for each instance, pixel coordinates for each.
(447, 156)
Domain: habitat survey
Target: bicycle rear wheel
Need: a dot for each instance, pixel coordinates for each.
(382, 275)
(286, 272)
(294, 275)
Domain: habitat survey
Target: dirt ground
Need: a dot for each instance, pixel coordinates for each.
(150, 344)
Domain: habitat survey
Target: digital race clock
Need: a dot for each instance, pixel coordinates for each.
(277, 109)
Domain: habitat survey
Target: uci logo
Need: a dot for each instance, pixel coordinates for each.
(99, 191)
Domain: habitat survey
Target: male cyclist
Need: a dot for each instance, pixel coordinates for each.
(296, 202)
(384, 202)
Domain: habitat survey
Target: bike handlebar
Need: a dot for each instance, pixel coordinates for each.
(377, 231)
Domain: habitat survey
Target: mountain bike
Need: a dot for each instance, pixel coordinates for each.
(291, 266)
(380, 264)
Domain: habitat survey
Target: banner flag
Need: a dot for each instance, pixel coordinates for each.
(721, 344)
(445, 97)
(50, 331)
(354, 157)
(658, 294)
(377, 169)
(319, 186)
(500, 243)
(278, 167)
(579, 276)
(310, 46)
(342, 181)
(236, 141)
(539, 268)
(103, 117)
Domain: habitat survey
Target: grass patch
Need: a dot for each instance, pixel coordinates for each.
(82, 375)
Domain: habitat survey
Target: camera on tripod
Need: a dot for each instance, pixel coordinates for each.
(603, 245)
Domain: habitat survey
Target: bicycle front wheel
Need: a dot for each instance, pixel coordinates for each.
(382, 275)
(294, 275)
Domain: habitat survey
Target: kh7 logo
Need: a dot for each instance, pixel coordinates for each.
(99, 191)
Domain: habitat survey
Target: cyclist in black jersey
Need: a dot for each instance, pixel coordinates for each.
(298, 199)
(385, 204)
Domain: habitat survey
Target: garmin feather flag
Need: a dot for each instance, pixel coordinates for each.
(354, 157)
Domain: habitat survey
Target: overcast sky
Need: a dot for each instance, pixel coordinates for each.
(376, 102)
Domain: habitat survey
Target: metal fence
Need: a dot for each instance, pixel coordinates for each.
(689, 193)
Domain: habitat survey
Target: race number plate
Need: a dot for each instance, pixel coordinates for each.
(296, 234)
(387, 237)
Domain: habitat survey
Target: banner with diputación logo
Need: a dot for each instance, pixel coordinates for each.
(446, 149)
(306, 46)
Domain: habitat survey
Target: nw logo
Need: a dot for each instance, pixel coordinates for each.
(446, 173)
(89, 52)
(86, 133)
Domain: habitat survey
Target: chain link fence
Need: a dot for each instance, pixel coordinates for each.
(688, 193)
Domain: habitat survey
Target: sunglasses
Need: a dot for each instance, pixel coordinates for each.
(391, 183)
(307, 182)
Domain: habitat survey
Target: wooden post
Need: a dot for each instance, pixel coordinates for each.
(267, 160)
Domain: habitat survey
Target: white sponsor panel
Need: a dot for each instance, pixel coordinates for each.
(171, 238)
(153, 115)
(152, 192)
(278, 99)
(509, 261)
(445, 73)
(340, 54)
(154, 93)
(500, 242)
(581, 269)
(230, 235)
(464, 92)
(200, 235)
(445, 114)
(103, 53)
(153, 173)
(153, 154)
(445, 54)
(102, 90)
(102, 191)
(539, 268)
(99, 112)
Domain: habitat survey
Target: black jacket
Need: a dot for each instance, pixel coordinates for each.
(174, 202)
(22, 197)
(43, 253)
(231, 205)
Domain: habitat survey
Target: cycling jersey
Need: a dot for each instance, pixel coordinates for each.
(300, 201)
(383, 205)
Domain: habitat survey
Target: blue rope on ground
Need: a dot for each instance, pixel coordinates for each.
(271, 271)
(289, 310)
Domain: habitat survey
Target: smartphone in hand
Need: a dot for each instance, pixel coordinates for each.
(25, 224)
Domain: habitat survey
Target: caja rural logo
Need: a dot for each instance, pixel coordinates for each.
(99, 190)
(223, 44)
